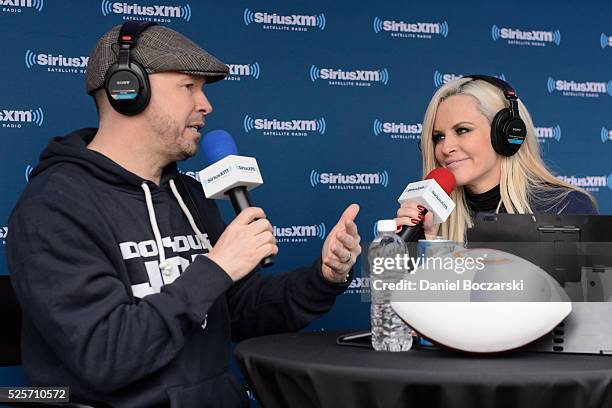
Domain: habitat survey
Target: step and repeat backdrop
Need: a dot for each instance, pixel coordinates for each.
(328, 96)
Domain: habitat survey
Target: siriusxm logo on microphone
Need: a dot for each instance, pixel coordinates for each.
(409, 189)
(440, 79)
(156, 13)
(56, 63)
(218, 175)
(589, 183)
(249, 169)
(535, 38)
(548, 133)
(353, 181)
(398, 130)
(580, 89)
(290, 127)
(339, 77)
(237, 72)
(299, 233)
(606, 135)
(3, 234)
(17, 6)
(293, 22)
(401, 29)
(605, 41)
(439, 200)
(16, 119)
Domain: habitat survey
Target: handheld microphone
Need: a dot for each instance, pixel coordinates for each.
(433, 194)
(228, 175)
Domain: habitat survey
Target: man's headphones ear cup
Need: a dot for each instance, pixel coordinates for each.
(128, 90)
(507, 133)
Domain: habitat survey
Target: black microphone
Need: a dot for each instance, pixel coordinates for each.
(414, 233)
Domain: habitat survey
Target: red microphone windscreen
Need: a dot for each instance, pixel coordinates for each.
(444, 177)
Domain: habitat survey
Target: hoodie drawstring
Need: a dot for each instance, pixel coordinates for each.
(164, 266)
(178, 197)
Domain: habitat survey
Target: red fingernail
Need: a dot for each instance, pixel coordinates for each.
(420, 207)
(414, 221)
(420, 217)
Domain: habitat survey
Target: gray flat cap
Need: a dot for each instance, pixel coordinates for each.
(158, 49)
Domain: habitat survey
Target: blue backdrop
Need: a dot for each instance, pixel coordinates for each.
(323, 89)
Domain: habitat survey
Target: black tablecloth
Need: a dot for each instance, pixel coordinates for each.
(309, 370)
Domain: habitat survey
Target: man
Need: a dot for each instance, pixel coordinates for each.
(106, 243)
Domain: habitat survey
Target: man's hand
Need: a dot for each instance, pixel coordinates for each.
(341, 248)
(244, 243)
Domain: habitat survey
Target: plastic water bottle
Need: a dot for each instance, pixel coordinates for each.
(389, 331)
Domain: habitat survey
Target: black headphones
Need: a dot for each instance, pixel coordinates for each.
(508, 131)
(126, 82)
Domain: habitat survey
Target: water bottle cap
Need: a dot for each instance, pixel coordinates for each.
(386, 226)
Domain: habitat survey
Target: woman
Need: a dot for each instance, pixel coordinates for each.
(457, 135)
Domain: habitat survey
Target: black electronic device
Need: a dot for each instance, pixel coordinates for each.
(127, 83)
(508, 130)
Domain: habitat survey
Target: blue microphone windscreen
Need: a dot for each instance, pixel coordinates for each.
(217, 144)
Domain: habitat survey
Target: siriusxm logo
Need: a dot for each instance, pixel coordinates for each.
(411, 189)
(442, 203)
(240, 167)
(590, 183)
(606, 135)
(548, 133)
(27, 172)
(16, 6)
(340, 77)
(358, 285)
(515, 36)
(354, 181)
(398, 130)
(299, 233)
(157, 13)
(276, 127)
(217, 176)
(293, 22)
(239, 71)
(3, 234)
(584, 89)
(441, 79)
(410, 30)
(17, 118)
(605, 41)
(56, 63)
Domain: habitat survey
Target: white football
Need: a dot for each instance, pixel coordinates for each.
(469, 321)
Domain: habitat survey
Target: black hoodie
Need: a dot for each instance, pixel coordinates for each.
(102, 317)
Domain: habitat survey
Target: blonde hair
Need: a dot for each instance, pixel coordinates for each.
(523, 175)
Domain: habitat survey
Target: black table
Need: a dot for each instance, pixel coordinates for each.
(309, 370)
